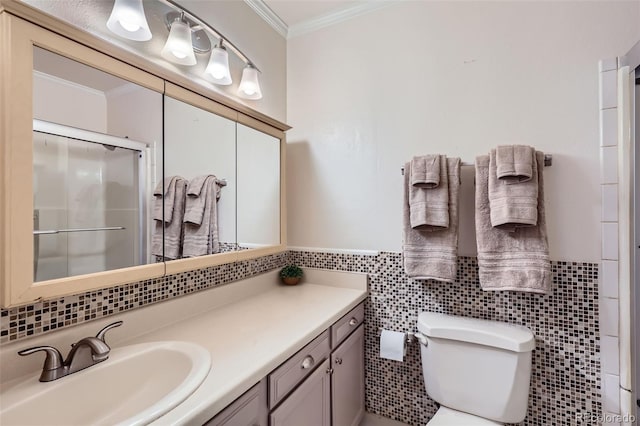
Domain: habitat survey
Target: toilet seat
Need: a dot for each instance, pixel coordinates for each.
(447, 416)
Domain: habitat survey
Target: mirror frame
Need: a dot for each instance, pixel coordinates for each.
(19, 37)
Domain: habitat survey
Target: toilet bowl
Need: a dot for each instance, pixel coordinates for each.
(447, 416)
(478, 370)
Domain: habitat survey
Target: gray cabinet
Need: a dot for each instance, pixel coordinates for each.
(309, 404)
(347, 381)
(248, 410)
(321, 385)
(293, 371)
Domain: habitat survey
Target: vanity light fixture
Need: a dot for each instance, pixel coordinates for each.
(250, 85)
(128, 20)
(188, 36)
(218, 68)
(179, 47)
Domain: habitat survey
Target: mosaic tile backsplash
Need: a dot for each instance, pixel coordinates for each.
(566, 365)
(42, 317)
(566, 361)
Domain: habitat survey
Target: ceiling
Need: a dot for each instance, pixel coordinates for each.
(295, 12)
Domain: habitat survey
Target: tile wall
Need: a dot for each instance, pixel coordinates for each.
(566, 379)
(566, 363)
(609, 302)
(42, 317)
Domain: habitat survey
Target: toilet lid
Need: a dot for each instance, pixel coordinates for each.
(447, 416)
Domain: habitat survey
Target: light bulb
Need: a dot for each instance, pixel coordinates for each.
(218, 67)
(128, 20)
(250, 85)
(129, 23)
(179, 48)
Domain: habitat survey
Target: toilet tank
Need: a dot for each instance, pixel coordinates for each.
(477, 366)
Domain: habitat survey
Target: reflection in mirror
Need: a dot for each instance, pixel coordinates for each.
(258, 188)
(91, 179)
(199, 182)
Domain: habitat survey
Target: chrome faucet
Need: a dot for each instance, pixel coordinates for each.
(84, 353)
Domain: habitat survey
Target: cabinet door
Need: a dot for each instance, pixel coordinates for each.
(347, 383)
(248, 410)
(309, 405)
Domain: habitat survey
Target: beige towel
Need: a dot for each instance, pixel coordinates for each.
(201, 234)
(170, 230)
(163, 197)
(513, 205)
(194, 210)
(429, 207)
(433, 254)
(425, 171)
(518, 260)
(515, 163)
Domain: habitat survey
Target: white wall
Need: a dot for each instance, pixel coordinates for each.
(456, 78)
(63, 102)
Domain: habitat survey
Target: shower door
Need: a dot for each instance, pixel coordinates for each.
(89, 202)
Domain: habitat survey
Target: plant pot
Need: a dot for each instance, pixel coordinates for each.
(291, 280)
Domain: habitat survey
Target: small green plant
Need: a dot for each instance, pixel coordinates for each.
(291, 271)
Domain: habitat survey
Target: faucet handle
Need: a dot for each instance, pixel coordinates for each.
(102, 332)
(53, 359)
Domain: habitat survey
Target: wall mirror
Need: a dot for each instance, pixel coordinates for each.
(228, 176)
(83, 201)
(95, 139)
(200, 169)
(258, 158)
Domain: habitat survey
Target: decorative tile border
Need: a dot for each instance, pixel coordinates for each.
(50, 315)
(566, 362)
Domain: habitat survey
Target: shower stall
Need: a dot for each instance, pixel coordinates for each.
(90, 201)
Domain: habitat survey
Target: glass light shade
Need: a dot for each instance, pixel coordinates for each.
(249, 85)
(127, 20)
(178, 48)
(218, 68)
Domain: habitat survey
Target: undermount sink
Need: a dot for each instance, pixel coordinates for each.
(135, 386)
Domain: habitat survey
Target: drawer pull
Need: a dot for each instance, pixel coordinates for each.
(307, 362)
(353, 321)
(338, 361)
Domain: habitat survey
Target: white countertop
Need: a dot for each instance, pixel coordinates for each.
(250, 327)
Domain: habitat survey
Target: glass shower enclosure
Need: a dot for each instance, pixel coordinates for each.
(90, 209)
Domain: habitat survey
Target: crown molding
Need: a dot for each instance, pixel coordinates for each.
(67, 83)
(337, 16)
(265, 12)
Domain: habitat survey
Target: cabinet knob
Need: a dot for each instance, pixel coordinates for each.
(307, 362)
(353, 321)
(329, 370)
(338, 361)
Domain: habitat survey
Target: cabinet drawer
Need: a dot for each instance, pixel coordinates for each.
(346, 325)
(309, 404)
(286, 377)
(249, 409)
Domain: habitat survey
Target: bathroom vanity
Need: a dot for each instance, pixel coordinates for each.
(278, 353)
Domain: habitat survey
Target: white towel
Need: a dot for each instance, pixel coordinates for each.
(432, 254)
(518, 260)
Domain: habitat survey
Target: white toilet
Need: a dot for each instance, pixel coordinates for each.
(477, 370)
